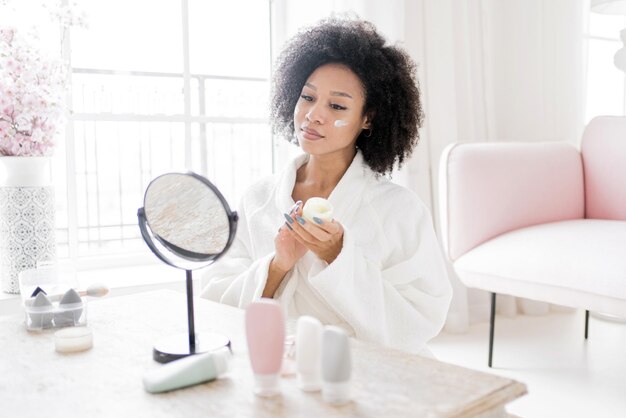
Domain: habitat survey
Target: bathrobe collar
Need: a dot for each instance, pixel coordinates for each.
(344, 197)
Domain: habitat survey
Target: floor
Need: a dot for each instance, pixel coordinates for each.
(566, 376)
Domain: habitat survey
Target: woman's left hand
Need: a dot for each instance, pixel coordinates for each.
(325, 240)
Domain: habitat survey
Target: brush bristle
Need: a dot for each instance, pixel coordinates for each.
(97, 290)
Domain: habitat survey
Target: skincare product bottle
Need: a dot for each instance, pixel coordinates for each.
(308, 352)
(73, 339)
(188, 371)
(336, 366)
(265, 332)
(318, 207)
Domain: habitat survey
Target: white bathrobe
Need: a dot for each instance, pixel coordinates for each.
(388, 284)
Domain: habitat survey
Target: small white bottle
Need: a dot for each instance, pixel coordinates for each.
(308, 353)
(188, 371)
(336, 366)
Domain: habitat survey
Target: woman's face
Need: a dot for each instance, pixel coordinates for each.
(329, 113)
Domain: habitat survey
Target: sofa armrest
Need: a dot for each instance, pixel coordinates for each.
(603, 151)
(487, 189)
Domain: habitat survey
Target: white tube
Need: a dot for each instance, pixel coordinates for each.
(308, 353)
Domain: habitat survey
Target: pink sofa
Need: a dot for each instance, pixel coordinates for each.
(542, 221)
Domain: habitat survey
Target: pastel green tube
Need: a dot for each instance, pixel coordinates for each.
(188, 371)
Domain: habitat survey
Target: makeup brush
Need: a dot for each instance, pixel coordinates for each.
(95, 290)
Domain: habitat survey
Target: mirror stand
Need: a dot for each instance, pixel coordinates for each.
(182, 345)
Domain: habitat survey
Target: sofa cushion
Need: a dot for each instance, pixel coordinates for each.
(577, 258)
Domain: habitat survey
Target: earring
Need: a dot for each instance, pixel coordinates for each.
(369, 132)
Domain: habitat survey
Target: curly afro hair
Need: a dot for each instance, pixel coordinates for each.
(387, 73)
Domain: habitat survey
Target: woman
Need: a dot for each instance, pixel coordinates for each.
(376, 269)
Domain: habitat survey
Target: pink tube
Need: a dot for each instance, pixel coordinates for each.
(265, 332)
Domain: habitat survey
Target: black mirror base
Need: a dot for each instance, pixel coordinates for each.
(177, 346)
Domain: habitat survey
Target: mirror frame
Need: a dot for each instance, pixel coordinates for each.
(204, 259)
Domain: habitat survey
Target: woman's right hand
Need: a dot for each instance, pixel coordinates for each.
(287, 253)
(288, 249)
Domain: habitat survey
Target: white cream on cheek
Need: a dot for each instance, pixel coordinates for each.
(339, 123)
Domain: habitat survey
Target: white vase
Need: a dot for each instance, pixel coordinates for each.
(27, 228)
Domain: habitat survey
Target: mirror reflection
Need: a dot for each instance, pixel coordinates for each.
(186, 213)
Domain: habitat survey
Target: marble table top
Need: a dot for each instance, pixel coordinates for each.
(36, 381)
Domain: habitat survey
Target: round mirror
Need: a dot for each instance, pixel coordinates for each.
(188, 224)
(187, 215)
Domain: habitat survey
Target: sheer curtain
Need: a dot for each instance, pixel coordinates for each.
(490, 70)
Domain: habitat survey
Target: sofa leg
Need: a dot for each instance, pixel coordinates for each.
(492, 326)
(586, 324)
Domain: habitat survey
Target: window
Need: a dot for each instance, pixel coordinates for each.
(185, 89)
(606, 93)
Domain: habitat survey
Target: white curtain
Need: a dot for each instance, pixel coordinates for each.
(513, 72)
(490, 70)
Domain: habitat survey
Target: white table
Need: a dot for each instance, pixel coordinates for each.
(36, 381)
